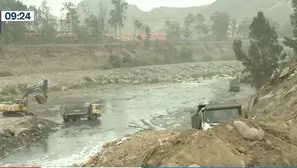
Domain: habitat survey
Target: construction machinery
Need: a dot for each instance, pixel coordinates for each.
(209, 115)
(20, 107)
(234, 85)
(74, 113)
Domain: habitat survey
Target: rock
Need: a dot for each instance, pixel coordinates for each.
(250, 133)
(122, 140)
(40, 126)
(241, 149)
(104, 82)
(193, 165)
(293, 135)
(284, 72)
(64, 88)
(293, 89)
(8, 133)
(230, 128)
(89, 79)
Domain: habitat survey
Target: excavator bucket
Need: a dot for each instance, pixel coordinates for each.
(40, 99)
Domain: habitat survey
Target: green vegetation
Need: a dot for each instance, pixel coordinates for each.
(93, 21)
(118, 15)
(220, 25)
(264, 51)
(290, 42)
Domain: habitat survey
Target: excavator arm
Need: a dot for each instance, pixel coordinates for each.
(41, 86)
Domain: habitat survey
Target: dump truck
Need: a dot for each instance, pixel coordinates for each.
(75, 113)
(209, 115)
(234, 85)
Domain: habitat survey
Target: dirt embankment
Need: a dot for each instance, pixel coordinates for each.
(18, 60)
(17, 133)
(268, 140)
(228, 144)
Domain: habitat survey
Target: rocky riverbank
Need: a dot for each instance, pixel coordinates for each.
(190, 72)
(17, 133)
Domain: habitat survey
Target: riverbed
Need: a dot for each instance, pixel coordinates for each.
(123, 105)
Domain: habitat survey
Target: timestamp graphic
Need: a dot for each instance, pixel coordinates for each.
(16, 16)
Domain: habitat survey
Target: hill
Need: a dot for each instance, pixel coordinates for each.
(276, 10)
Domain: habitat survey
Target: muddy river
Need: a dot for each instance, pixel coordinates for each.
(123, 105)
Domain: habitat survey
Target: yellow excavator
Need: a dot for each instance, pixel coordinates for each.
(20, 107)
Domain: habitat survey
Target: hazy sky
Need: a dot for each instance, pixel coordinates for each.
(145, 5)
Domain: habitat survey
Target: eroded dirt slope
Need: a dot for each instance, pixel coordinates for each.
(18, 60)
(225, 145)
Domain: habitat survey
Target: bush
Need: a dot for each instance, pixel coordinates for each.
(186, 53)
(115, 61)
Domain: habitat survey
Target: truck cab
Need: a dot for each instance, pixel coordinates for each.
(207, 116)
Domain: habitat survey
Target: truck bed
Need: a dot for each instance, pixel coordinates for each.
(75, 111)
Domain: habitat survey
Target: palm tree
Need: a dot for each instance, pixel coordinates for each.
(118, 14)
(188, 22)
(137, 26)
(113, 22)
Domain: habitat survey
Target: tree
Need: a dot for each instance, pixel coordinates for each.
(292, 43)
(86, 8)
(220, 25)
(243, 29)
(147, 32)
(234, 27)
(37, 18)
(72, 16)
(93, 25)
(264, 51)
(173, 30)
(276, 26)
(48, 23)
(102, 16)
(113, 22)
(14, 31)
(188, 24)
(118, 14)
(200, 27)
(137, 26)
(287, 30)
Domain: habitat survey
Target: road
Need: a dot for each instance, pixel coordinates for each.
(123, 105)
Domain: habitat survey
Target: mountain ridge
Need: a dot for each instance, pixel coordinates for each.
(276, 10)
